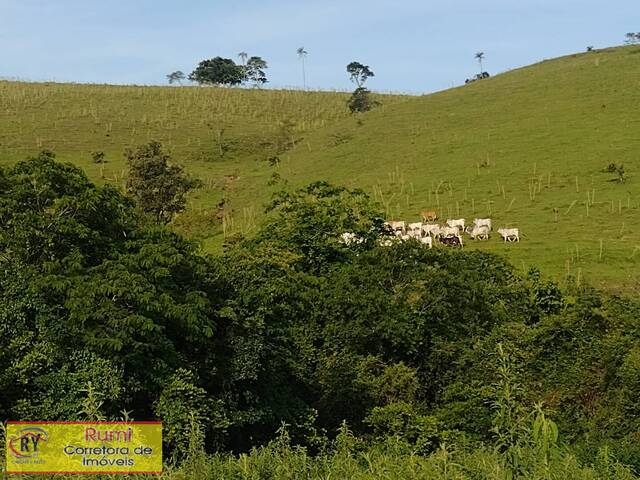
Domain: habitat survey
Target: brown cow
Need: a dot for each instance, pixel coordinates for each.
(428, 216)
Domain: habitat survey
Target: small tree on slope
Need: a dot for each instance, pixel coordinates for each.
(158, 188)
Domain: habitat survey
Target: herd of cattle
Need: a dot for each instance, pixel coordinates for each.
(426, 232)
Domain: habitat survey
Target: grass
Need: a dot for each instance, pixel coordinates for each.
(374, 464)
(391, 461)
(526, 148)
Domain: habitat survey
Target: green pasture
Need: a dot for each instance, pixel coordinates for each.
(527, 148)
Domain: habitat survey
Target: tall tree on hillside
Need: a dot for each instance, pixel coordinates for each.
(359, 73)
(480, 56)
(360, 100)
(158, 188)
(218, 71)
(254, 71)
(176, 77)
(243, 57)
(302, 53)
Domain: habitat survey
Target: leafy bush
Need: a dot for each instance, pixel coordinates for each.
(185, 407)
(98, 157)
(158, 188)
(361, 101)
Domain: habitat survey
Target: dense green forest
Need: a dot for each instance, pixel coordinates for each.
(292, 355)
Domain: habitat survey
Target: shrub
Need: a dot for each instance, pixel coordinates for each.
(98, 157)
(158, 188)
(186, 408)
(361, 101)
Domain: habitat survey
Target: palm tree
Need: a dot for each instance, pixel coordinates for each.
(302, 53)
(480, 57)
(243, 57)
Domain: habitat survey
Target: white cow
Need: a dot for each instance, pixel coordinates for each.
(482, 222)
(478, 232)
(431, 229)
(509, 234)
(459, 223)
(415, 229)
(428, 241)
(397, 226)
(449, 232)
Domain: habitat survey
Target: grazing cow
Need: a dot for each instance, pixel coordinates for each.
(428, 216)
(481, 222)
(428, 241)
(449, 232)
(509, 234)
(349, 238)
(431, 229)
(396, 226)
(451, 241)
(478, 232)
(415, 229)
(459, 223)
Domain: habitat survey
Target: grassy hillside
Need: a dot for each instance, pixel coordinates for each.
(514, 147)
(527, 148)
(224, 136)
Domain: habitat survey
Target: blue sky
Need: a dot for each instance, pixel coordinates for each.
(413, 46)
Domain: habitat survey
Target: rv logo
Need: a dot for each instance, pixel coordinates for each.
(28, 442)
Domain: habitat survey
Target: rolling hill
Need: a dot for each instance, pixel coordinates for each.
(528, 147)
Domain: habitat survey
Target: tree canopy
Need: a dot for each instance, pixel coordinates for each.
(176, 77)
(159, 189)
(91, 292)
(218, 71)
(225, 72)
(255, 71)
(359, 73)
